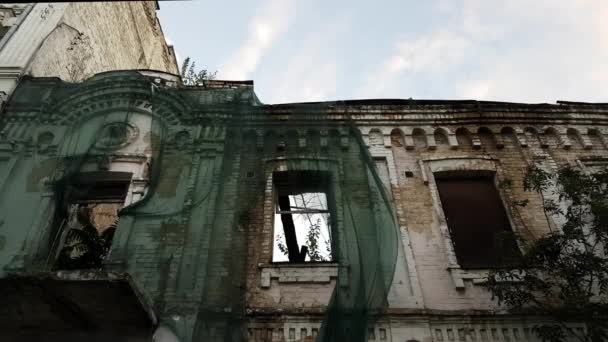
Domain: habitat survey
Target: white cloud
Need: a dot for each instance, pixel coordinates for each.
(562, 54)
(311, 74)
(477, 89)
(265, 28)
(434, 53)
(305, 81)
(516, 50)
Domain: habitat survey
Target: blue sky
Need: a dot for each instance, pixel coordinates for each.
(322, 50)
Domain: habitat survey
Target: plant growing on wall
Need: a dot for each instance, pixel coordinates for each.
(564, 274)
(192, 77)
(314, 245)
(85, 247)
(80, 52)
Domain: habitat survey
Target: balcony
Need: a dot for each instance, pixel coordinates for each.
(73, 305)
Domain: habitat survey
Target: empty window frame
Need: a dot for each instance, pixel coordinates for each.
(477, 221)
(302, 229)
(90, 214)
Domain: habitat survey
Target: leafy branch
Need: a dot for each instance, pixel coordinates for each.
(192, 77)
(85, 247)
(563, 276)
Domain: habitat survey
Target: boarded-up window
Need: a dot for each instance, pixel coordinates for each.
(478, 223)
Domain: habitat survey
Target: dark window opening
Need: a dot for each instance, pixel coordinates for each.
(90, 218)
(302, 230)
(478, 224)
(4, 31)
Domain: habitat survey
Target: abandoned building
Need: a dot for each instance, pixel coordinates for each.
(135, 208)
(75, 40)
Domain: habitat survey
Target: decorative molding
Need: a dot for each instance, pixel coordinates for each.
(116, 135)
(298, 273)
(465, 163)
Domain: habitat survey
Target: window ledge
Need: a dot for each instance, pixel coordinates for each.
(478, 276)
(310, 272)
(459, 275)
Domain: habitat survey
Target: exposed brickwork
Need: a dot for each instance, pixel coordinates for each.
(410, 137)
(205, 238)
(97, 37)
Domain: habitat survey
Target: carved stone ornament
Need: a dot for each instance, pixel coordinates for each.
(115, 135)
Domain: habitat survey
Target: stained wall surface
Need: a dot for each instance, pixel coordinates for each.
(76, 40)
(97, 37)
(197, 231)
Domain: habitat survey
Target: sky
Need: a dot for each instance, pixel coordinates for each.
(530, 51)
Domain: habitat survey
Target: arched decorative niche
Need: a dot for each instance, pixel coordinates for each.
(575, 138)
(532, 137)
(464, 138)
(419, 137)
(397, 138)
(376, 137)
(508, 136)
(551, 138)
(486, 137)
(441, 136)
(597, 139)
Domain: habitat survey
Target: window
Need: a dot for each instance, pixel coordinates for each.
(93, 200)
(477, 221)
(4, 31)
(302, 230)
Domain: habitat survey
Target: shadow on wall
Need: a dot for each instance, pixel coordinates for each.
(164, 334)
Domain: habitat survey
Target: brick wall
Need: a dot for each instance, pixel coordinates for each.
(216, 176)
(443, 299)
(103, 36)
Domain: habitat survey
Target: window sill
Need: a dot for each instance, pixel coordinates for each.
(459, 275)
(307, 272)
(477, 276)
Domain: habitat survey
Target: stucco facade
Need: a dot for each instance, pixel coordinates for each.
(185, 266)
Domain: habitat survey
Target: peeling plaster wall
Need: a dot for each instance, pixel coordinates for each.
(102, 36)
(76, 40)
(431, 299)
(512, 153)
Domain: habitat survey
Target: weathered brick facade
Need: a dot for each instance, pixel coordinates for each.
(212, 171)
(75, 40)
(432, 297)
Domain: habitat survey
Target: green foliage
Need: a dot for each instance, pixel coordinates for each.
(85, 247)
(564, 274)
(312, 242)
(281, 246)
(192, 77)
(505, 183)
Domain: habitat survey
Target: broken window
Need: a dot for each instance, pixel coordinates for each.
(477, 221)
(302, 230)
(93, 200)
